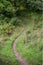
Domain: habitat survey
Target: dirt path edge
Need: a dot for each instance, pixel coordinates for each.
(21, 60)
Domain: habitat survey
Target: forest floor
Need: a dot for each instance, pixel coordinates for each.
(25, 45)
(16, 53)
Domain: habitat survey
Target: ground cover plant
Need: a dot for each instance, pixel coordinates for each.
(6, 52)
(21, 23)
(30, 45)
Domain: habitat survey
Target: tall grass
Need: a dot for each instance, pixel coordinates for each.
(30, 44)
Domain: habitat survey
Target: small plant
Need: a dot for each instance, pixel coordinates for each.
(28, 32)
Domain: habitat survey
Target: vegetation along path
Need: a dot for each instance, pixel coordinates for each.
(21, 60)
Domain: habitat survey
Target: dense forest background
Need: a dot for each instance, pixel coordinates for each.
(10, 8)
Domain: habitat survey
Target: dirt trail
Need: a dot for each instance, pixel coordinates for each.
(21, 60)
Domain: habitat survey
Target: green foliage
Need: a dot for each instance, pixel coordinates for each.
(9, 10)
(10, 7)
(6, 52)
(30, 43)
(16, 21)
(35, 4)
(6, 8)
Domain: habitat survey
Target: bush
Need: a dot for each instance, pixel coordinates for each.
(15, 21)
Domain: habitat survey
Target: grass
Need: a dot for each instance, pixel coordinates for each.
(30, 44)
(7, 56)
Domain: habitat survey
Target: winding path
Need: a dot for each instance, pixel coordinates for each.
(21, 60)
